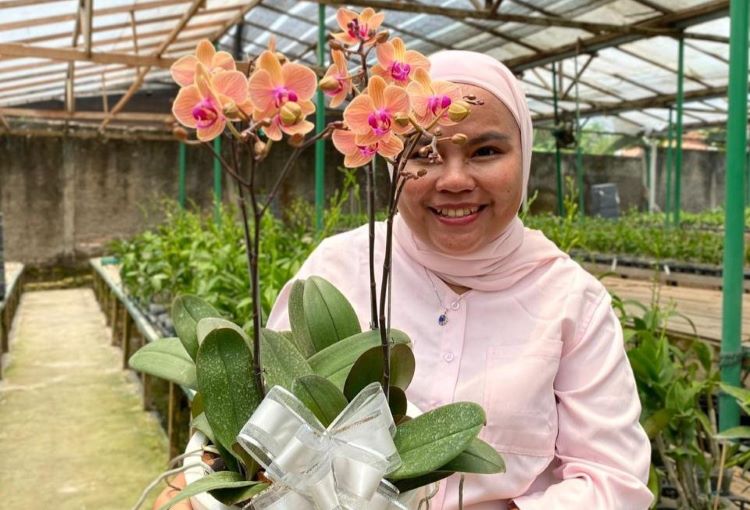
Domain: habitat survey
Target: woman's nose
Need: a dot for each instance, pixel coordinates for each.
(454, 176)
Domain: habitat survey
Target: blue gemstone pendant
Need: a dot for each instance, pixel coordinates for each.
(443, 319)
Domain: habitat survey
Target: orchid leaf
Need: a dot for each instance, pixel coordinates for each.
(329, 317)
(369, 368)
(187, 310)
(210, 482)
(225, 378)
(165, 358)
(431, 440)
(281, 361)
(478, 457)
(320, 396)
(296, 310)
(231, 496)
(208, 324)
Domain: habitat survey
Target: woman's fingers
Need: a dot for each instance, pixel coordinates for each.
(170, 492)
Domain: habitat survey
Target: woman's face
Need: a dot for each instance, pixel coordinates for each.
(468, 199)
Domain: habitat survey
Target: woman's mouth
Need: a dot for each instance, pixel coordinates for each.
(456, 215)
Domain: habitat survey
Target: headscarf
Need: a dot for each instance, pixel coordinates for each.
(516, 251)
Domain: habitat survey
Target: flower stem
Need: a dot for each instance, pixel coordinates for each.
(370, 188)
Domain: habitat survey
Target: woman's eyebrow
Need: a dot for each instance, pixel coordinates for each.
(490, 136)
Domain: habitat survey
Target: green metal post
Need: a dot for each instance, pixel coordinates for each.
(558, 160)
(734, 226)
(678, 154)
(579, 150)
(320, 120)
(182, 163)
(217, 181)
(668, 164)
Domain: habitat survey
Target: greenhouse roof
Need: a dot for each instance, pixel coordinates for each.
(618, 57)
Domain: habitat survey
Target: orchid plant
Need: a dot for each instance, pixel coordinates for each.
(325, 362)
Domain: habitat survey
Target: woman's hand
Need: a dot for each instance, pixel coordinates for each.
(170, 492)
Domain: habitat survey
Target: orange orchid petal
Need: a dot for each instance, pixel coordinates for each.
(416, 60)
(300, 79)
(344, 141)
(345, 38)
(399, 49)
(202, 80)
(260, 89)
(183, 71)
(378, 70)
(357, 159)
(211, 132)
(272, 44)
(357, 113)
(369, 138)
(270, 63)
(376, 20)
(396, 99)
(421, 76)
(339, 60)
(300, 128)
(308, 107)
(272, 131)
(344, 17)
(376, 90)
(339, 98)
(223, 60)
(385, 54)
(205, 52)
(390, 147)
(232, 84)
(183, 105)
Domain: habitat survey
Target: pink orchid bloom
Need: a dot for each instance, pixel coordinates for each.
(430, 100)
(272, 86)
(337, 82)
(396, 64)
(357, 154)
(357, 27)
(202, 105)
(183, 71)
(372, 114)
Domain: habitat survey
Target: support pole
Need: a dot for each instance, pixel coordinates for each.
(182, 163)
(217, 181)
(558, 160)
(668, 163)
(320, 120)
(734, 226)
(652, 176)
(678, 154)
(579, 150)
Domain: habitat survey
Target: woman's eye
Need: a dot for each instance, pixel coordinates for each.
(485, 151)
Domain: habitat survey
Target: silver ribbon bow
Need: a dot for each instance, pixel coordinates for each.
(316, 468)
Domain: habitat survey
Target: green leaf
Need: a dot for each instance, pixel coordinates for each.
(431, 440)
(218, 480)
(231, 496)
(329, 316)
(656, 422)
(478, 457)
(167, 359)
(281, 361)
(654, 485)
(200, 423)
(196, 405)
(397, 401)
(408, 484)
(225, 378)
(742, 432)
(296, 309)
(187, 310)
(335, 361)
(369, 368)
(208, 324)
(320, 396)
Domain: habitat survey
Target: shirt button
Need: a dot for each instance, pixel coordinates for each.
(455, 305)
(448, 356)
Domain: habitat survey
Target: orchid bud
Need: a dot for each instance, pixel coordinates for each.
(425, 151)
(180, 133)
(230, 110)
(280, 57)
(259, 148)
(458, 111)
(422, 172)
(296, 140)
(401, 119)
(329, 84)
(290, 113)
(382, 36)
(459, 139)
(335, 45)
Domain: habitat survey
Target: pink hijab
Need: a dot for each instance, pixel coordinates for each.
(516, 252)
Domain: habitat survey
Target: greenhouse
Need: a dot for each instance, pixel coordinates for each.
(374, 254)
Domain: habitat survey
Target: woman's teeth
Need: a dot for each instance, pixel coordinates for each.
(457, 213)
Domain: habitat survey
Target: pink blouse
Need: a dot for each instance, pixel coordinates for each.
(544, 358)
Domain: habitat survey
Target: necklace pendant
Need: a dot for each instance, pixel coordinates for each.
(443, 319)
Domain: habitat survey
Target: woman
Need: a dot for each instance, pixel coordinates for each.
(499, 316)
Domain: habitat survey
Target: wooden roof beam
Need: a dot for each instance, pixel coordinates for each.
(10, 4)
(10, 50)
(161, 118)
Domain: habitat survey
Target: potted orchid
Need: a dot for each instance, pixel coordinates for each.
(315, 417)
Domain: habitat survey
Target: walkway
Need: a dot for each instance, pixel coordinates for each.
(73, 434)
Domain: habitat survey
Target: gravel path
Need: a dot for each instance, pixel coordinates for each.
(73, 433)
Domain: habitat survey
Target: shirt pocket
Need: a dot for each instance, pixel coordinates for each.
(519, 397)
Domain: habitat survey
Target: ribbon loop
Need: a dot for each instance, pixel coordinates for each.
(338, 468)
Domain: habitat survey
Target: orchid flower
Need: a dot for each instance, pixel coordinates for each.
(357, 154)
(281, 94)
(431, 100)
(183, 71)
(396, 64)
(357, 27)
(372, 115)
(204, 104)
(337, 82)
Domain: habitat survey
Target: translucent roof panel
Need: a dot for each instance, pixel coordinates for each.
(623, 54)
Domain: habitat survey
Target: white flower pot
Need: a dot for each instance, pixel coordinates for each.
(205, 501)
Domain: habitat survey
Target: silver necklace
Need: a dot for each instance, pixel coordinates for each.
(443, 317)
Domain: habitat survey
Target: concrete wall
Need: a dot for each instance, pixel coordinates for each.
(64, 197)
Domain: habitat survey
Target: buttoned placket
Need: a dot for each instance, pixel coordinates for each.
(451, 345)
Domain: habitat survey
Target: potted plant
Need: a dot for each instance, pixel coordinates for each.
(316, 417)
